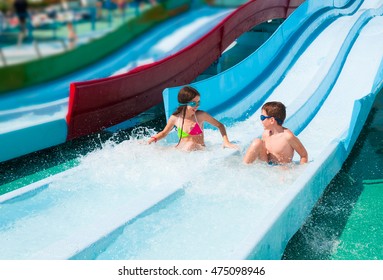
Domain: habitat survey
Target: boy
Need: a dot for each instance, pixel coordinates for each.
(278, 143)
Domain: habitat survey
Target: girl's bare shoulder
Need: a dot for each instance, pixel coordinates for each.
(172, 119)
(202, 114)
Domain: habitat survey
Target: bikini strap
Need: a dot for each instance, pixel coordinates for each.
(195, 117)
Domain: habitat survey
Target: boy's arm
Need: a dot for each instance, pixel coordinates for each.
(297, 145)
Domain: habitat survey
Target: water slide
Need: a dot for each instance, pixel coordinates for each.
(328, 81)
(34, 118)
(118, 203)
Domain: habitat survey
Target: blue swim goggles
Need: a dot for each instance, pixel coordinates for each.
(191, 103)
(263, 117)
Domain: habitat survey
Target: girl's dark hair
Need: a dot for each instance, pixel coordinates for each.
(185, 95)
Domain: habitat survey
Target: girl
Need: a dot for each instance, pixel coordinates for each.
(189, 123)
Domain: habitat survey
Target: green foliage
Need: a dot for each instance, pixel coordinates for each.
(5, 5)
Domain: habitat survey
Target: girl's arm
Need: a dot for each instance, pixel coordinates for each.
(208, 118)
(162, 134)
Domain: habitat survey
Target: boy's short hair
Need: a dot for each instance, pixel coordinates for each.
(275, 109)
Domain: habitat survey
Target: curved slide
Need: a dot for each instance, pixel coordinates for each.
(34, 118)
(208, 205)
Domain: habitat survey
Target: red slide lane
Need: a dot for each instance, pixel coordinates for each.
(98, 104)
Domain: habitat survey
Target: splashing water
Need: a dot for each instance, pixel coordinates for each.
(220, 200)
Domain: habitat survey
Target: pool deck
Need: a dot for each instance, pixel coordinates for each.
(54, 40)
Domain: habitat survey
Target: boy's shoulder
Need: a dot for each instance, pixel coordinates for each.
(288, 133)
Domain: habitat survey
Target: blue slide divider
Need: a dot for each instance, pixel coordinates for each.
(312, 105)
(361, 110)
